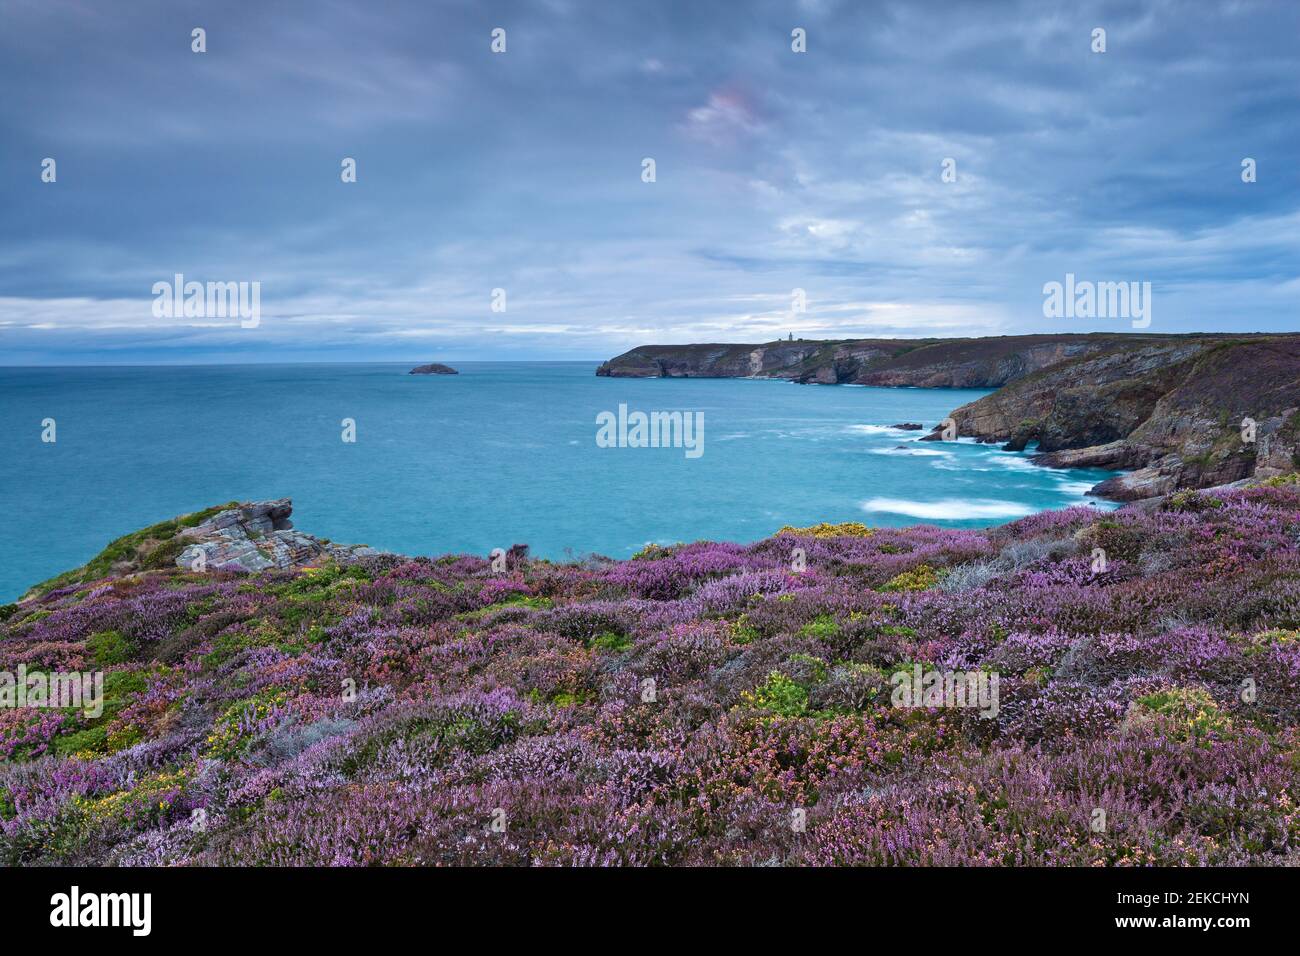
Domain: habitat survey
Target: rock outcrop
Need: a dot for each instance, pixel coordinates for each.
(1194, 413)
(433, 368)
(258, 536)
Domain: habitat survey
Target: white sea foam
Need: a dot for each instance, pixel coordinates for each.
(949, 508)
(1014, 463)
(916, 452)
(964, 466)
(1076, 487)
(877, 430)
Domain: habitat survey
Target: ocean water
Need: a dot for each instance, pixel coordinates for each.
(502, 453)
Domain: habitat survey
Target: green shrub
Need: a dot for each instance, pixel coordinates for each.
(742, 632)
(229, 735)
(91, 735)
(1186, 713)
(813, 669)
(920, 578)
(609, 641)
(109, 648)
(652, 552)
(846, 529)
(1267, 640)
(822, 627)
(778, 695)
(165, 555)
(518, 601)
(1120, 541)
(1192, 500)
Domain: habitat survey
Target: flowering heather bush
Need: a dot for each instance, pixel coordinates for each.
(698, 704)
(847, 529)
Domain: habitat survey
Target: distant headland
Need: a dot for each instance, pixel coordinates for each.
(1177, 411)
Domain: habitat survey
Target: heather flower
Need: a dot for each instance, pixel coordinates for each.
(686, 706)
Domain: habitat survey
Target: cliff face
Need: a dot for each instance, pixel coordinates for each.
(1084, 401)
(951, 363)
(922, 363)
(1185, 414)
(1173, 408)
(709, 361)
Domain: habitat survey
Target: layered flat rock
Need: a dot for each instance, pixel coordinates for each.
(258, 536)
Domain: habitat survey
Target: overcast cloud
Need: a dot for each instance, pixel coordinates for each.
(522, 171)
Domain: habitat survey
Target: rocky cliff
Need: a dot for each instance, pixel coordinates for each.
(924, 363)
(1177, 411)
(1188, 414)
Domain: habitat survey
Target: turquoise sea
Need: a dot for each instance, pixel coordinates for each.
(502, 453)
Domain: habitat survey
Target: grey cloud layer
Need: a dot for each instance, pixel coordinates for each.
(522, 171)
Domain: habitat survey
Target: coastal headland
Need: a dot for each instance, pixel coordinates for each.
(1172, 411)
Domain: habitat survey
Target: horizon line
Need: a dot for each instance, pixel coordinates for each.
(314, 362)
(200, 363)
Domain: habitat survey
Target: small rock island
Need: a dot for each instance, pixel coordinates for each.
(433, 368)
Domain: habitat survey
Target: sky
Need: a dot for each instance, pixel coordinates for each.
(523, 171)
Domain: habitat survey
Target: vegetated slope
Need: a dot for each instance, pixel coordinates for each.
(703, 704)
